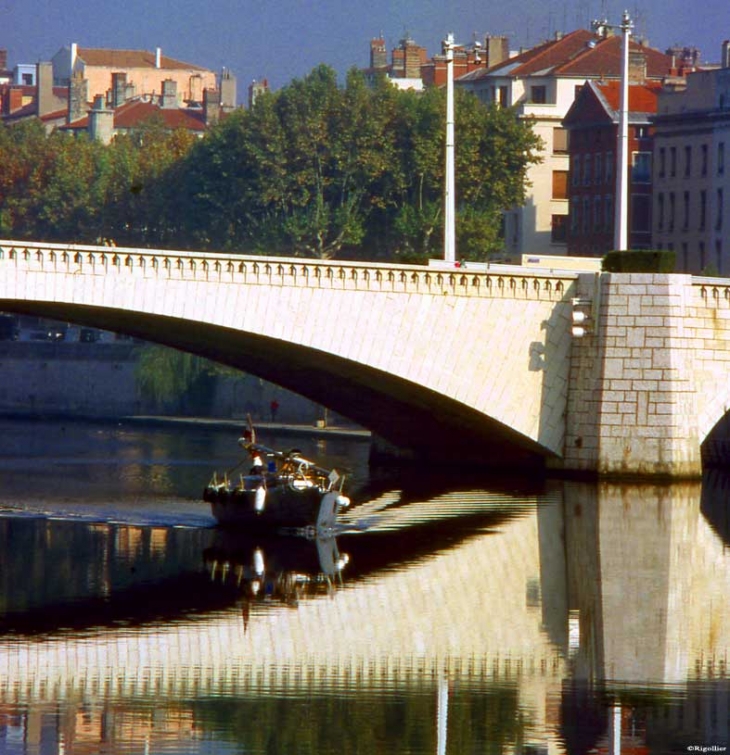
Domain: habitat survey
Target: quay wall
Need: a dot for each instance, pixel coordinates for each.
(100, 380)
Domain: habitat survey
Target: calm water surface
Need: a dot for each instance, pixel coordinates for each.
(449, 615)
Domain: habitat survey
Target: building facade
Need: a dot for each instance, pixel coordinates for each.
(541, 85)
(692, 171)
(590, 185)
(144, 71)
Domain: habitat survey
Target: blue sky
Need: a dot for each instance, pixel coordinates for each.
(284, 39)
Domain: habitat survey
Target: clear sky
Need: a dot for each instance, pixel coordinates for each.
(284, 39)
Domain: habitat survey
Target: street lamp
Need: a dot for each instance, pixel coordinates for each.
(449, 170)
(620, 229)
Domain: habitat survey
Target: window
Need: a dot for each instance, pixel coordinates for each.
(27, 79)
(598, 167)
(662, 161)
(641, 168)
(702, 256)
(560, 184)
(641, 213)
(609, 211)
(718, 222)
(703, 152)
(538, 95)
(586, 214)
(575, 216)
(687, 161)
(559, 229)
(672, 210)
(685, 212)
(721, 158)
(672, 161)
(660, 211)
(597, 214)
(504, 96)
(560, 141)
(575, 180)
(587, 171)
(609, 167)
(703, 209)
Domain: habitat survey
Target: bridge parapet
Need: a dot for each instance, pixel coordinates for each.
(284, 271)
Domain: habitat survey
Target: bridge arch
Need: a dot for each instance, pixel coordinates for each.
(468, 365)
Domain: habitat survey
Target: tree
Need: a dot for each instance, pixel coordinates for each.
(315, 169)
(493, 152)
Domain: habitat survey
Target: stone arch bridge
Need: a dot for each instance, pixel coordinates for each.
(445, 363)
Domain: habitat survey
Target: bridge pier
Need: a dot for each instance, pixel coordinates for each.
(632, 399)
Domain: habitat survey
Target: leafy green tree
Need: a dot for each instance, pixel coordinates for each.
(315, 169)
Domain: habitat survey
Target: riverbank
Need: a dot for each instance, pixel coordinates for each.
(279, 428)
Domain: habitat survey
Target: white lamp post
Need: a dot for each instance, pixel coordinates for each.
(621, 219)
(449, 185)
(620, 231)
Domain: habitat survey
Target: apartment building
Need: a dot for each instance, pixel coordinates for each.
(691, 174)
(541, 84)
(106, 92)
(144, 72)
(592, 123)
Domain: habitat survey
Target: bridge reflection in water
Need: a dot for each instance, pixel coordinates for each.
(564, 603)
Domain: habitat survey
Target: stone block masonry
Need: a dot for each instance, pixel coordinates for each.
(633, 399)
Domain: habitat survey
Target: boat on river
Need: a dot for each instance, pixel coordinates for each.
(280, 489)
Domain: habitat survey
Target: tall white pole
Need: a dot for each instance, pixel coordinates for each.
(442, 714)
(449, 185)
(620, 232)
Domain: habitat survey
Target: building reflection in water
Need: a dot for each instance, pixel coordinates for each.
(590, 613)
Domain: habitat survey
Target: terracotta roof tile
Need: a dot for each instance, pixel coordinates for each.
(132, 114)
(579, 53)
(642, 97)
(130, 59)
(605, 59)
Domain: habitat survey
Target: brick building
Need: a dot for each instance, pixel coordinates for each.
(592, 123)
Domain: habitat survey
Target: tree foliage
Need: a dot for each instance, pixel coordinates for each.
(315, 169)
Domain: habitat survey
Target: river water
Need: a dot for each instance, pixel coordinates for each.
(450, 615)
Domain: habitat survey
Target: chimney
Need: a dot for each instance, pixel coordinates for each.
(158, 58)
(3, 60)
(228, 90)
(725, 57)
(211, 106)
(378, 54)
(637, 67)
(119, 88)
(78, 95)
(74, 56)
(14, 100)
(44, 79)
(101, 121)
(496, 50)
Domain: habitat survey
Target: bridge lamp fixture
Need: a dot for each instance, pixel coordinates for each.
(580, 317)
(620, 231)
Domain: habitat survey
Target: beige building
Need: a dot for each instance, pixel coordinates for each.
(692, 171)
(541, 84)
(145, 73)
